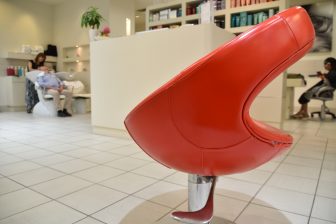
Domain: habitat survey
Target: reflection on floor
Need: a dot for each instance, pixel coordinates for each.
(55, 171)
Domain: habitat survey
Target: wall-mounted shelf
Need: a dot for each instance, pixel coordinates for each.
(76, 58)
(24, 56)
(226, 15)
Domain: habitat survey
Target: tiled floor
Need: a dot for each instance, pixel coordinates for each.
(55, 171)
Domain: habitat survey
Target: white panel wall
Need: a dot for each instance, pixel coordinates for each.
(23, 22)
(119, 11)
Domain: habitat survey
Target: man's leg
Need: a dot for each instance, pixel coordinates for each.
(68, 100)
(56, 98)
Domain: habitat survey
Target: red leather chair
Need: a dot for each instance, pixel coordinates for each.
(199, 122)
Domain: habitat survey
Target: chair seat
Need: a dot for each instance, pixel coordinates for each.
(199, 122)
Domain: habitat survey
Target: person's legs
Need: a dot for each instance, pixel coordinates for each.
(68, 102)
(56, 98)
(57, 101)
(304, 100)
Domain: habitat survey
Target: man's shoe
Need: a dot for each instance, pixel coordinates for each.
(66, 113)
(60, 114)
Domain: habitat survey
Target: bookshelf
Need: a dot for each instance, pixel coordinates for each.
(76, 58)
(236, 16)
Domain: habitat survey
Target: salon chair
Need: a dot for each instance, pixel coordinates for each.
(324, 94)
(199, 121)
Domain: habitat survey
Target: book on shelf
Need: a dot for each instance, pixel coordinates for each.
(172, 14)
(239, 3)
(164, 14)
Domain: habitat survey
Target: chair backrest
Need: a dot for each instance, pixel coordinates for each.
(199, 121)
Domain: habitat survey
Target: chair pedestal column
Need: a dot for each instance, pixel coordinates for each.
(198, 191)
(201, 190)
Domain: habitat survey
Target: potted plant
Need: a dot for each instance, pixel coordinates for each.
(91, 18)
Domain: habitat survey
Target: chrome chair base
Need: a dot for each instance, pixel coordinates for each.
(200, 191)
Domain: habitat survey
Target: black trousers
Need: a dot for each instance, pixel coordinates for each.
(306, 96)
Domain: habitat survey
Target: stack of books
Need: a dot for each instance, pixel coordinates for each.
(238, 3)
(165, 14)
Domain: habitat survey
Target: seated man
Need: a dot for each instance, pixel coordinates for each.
(55, 87)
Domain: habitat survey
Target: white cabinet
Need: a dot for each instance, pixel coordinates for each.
(76, 58)
(12, 93)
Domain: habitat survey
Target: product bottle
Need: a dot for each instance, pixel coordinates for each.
(15, 71)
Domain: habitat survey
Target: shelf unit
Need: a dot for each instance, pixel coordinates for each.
(235, 19)
(19, 59)
(24, 56)
(76, 58)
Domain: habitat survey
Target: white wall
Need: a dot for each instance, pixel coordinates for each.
(119, 11)
(23, 22)
(68, 31)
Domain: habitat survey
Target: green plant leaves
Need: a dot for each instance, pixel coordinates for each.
(91, 18)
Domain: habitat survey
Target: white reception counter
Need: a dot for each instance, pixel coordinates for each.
(125, 70)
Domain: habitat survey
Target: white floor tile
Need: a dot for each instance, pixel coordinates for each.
(269, 166)
(18, 167)
(328, 175)
(98, 173)
(78, 153)
(329, 165)
(101, 157)
(36, 176)
(324, 208)
(132, 210)
(154, 170)
(129, 182)
(166, 194)
(254, 176)
(7, 159)
(126, 150)
(89, 221)
(42, 215)
(142, 155)
(127, 164)
(92, 199)
(298, 171)
(7, 185)
(178, 178)
(52, 159)
(19, 201)
(34, 154)
(106, 146)
(61, 186)
(301, 161)
(62, 148)
(255, 214)
(319, 221)
(298, 184)
(285, 200)
(236, 188)
(327, 189)
(228, 208)
(19, 149)
(73, 166)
